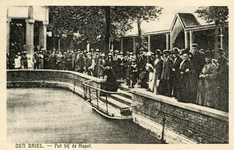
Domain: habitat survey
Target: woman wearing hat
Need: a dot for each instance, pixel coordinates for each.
(207, 87)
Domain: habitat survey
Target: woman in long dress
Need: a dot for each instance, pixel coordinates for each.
(207, 87)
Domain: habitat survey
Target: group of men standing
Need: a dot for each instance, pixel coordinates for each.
(191, 76)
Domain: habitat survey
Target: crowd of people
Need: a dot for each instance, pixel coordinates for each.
(191, 76)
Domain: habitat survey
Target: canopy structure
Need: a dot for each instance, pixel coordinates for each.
(185, 30)
(30, 15)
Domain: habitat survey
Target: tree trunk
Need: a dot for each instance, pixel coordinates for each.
(216, 52)
(139, 32)
(108, 29)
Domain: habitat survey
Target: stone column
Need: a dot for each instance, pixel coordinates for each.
(221, 38)
(171, 44)
(29, 35)
(88, 46)
(134, 45)
(8, 23)
(112, 45)
(167, 41)
(121, 44)
(42, 35)
(149, 43)
(185, 39)
(191, 39)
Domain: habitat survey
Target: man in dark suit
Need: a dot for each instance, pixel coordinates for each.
(197, 62)
(174, 76)
(165, 76)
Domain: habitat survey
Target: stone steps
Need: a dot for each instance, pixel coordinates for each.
(121, 99)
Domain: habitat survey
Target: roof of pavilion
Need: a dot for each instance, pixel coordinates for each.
(187, 20)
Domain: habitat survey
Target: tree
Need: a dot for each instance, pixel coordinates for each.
(144, 13)
(97, 23)
(216, 14)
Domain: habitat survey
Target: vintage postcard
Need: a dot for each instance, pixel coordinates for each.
(116, 75)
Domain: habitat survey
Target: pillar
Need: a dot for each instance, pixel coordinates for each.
(88, 46)
(8, 23)
(29, 35)
(221, 38)
(134, 45)
(112, 45)
(148, 43)
(185, 39)
(190, 39)
(171, 44)
(167, 41)
(42, 35)
(121, 45)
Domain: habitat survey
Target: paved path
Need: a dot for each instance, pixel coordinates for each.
(58, 116)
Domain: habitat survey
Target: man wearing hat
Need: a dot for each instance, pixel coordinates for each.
(88, 62)
(197, 62)
(174, 76)
(133, 73)
(141, 61)
(164, 87)
(158, 65)
(24, 60)
(96, 67)
(120, 66)
(184, 90)
(223, 81)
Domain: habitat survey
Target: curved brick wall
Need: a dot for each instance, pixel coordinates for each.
(50, 78)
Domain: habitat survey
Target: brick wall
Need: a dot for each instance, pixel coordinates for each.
(184, 123)
(50, 78)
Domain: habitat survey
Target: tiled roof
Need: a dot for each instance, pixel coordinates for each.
(188, 20)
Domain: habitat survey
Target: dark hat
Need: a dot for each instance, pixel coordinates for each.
(175, 50)
(220, 50)
(184, 51)
(158, 51)
(194, 45)
(208, 53)
(165, 51)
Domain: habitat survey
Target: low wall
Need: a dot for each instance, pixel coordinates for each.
(183, 123)
(50, 78)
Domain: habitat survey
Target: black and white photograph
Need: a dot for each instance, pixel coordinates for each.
(78, 76)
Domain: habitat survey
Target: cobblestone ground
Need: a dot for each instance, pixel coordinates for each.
(38, 115)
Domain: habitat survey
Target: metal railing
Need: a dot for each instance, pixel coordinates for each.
(93, 93)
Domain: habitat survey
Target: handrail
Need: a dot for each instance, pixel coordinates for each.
(84, 83)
